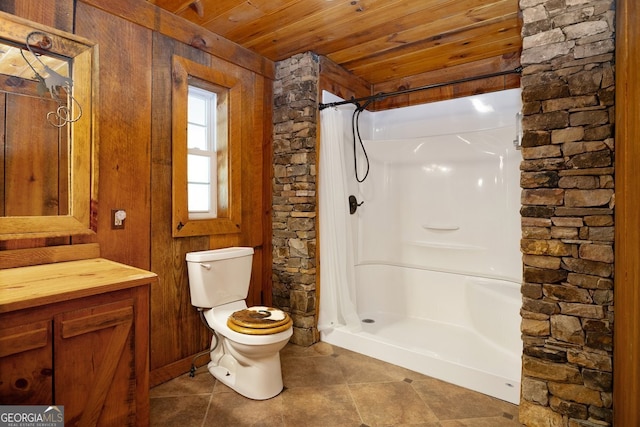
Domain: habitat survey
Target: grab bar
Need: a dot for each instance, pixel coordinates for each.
(518, 141)
(440, 227)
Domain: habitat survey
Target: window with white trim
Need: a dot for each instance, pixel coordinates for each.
(201, 154)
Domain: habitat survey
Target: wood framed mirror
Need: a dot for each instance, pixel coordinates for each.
(48, 170)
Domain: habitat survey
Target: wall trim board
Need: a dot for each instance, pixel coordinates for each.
(626, 353)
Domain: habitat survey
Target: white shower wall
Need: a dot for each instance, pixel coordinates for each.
(446, 203)
(443, 192)
(438, 263)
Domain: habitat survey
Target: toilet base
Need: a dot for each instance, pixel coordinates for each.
(257, 379)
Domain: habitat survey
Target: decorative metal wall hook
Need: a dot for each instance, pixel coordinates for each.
(58, 86)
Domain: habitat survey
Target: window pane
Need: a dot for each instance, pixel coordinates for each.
(198, 169)
(199, 198)
(201, 155)
(197, 137)
(197, 110)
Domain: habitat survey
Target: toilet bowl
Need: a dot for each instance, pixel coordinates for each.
(245, 353)
(249, 364)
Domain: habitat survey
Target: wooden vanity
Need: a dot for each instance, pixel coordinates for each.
(77, 334)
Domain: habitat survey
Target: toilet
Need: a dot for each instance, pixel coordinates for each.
(245, 355)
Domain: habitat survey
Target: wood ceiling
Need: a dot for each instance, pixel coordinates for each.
(377, 40)
(13, 63)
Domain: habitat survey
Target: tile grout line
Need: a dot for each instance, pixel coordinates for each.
(424, 400)
(206, 413)
(355, 404)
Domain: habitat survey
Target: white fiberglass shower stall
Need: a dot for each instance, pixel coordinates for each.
(426, 273)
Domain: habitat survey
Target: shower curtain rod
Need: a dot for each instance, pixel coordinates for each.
(383, 95)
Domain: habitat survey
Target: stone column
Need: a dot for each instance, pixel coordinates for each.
(294, 193)
(567, 212)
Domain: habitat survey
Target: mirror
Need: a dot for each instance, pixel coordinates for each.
(47, 161)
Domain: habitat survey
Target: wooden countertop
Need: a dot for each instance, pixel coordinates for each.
(26, 287)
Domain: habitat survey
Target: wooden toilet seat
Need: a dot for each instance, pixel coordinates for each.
(259, 321)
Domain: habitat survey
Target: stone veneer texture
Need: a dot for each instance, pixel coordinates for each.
(294, 193)
(567, 212)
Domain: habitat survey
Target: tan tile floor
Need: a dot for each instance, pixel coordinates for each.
(327, 386)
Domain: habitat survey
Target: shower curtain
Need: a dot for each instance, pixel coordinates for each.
(337, 272)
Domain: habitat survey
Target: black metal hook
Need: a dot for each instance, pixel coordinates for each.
(353, 204)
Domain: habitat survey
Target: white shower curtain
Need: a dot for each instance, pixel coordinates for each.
(337, 275)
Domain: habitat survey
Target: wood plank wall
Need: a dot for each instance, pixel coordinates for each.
(170, 304)
(340, 82)
(181, 333)
(135, 43)
(124, 134)
(626, 381)
(57, 14)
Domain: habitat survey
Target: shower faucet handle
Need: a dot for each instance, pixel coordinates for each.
(353, 204)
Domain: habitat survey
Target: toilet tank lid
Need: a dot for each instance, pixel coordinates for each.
(219, 254)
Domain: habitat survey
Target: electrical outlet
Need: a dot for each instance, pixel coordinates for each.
(117, 219)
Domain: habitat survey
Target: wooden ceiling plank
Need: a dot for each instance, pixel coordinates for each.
(209, 8)
(457, 40)
(242, 17)
(264, 30)
(436, 58)
(298, 26)
(13, 64)
(437, 29)
(377, 40)
(219, 16)
(341, 25)
(391, 32)
(441, 58)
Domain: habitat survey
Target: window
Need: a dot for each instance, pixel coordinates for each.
(206, 149)
(201, 154)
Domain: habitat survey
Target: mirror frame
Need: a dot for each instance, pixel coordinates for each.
(83, 183)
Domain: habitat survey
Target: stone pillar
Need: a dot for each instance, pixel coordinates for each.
(294, 193)
(567, 212)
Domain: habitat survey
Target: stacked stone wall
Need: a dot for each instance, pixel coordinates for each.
(567, 182)
(294, 193)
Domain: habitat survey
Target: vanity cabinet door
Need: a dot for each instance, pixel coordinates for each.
(94, 361)
(26, 364)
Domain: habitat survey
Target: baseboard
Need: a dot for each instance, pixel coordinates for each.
(173, 370)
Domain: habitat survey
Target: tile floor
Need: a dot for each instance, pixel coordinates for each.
(327, 386)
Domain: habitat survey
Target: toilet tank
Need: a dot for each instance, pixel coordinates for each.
(219, 276)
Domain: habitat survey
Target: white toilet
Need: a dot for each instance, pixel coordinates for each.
(246, 355)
